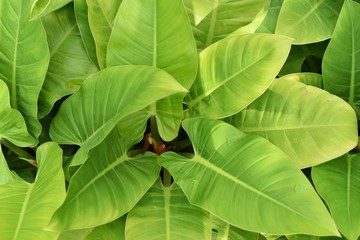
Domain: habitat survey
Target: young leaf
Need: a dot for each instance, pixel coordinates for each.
(167, 214)
(240, 66)
(299, 119)
(341, 59)
(12, 123)
(104, 99)
(40, 8)
(246, 181)
(24, 58)
(69, 62)
(338, 182)
(308, 21)
(26, 208)
(106, 186)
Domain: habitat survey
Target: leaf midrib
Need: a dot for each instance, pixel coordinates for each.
(23, 211)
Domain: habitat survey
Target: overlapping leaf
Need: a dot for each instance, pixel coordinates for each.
(240, 66)
(24, 57)
(299, 120)
(40, 8)
(167, 214)
(268, 25)
(341, 65)
(114, 230)
(308, 78)
(26, 208)
(246, 181)
(308, 21)
(338, 182)
(104, 99)
(69, 62)
(106, 186)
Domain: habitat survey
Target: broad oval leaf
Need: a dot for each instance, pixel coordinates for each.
(308, 21)
(40, 8)
(338, 182)
(69, 63)
(106, 186)
(105, 98)
(24, 58)
(240, 66)
(341, 65)
(299, 120)
(167, 214)
(12, 123)
(26, 209)
(246, 181)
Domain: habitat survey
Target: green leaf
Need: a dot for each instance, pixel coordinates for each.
(24, 58)
(308, 21)
(69, 62)
(101, 15)
(225, 18)
(228, 69)
(104, 99)
(167, 214)
(106, 186)
(197, 10)
(268, 25)
(299, 120)
(80, 234)
(81, 15)
(338, 182)
(12, 123)
(341, 59)
(308, 78)
(246, 181)
(40, 8)
(6, 176)
(26, 208)
(114, 230)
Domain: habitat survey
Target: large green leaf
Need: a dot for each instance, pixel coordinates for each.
(240, 66)
(12, 123)
(226, 17)
(114, 230)
(104, 99)
(101, 15)
(246, 181)
(69, 62)
(106, 186)
(26, 208)
(161, 38)
(268, 25)
(308, 78)
(299, 120)
(341, 65)
(338, 182)
(40, 8)
(167, 214)
(24, 57)
(308, 21)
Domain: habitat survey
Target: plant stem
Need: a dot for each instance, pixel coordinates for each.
(15, 149)
(166, 178)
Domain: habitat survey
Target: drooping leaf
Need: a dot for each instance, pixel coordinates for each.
(167, 214)
(308, 21)
(82, 19)
(101, 15)
(161, 38)
(69, 62)
(268, 25)
(341, 65)
(105, 98)
(24, 57)
(114, 230)
(246, 181)
(338, 182)
(225, 18)
(299, 120)
(240, 66)
(26, 208)
(12, 124)
(40, 8)
(106, 186)
(308, 78)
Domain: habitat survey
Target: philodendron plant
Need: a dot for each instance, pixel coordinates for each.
(179, 119)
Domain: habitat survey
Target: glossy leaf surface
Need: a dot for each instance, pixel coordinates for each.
(257, 192)
(104, 99)
(240, 66)
(288, 115)
(341, 65)
(308, 21)
(167, 214)
(26, 208)
(40, 8)
(338, 182)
